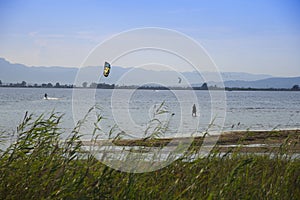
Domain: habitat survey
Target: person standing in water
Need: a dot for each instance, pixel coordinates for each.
(46, 96)
(194, 111)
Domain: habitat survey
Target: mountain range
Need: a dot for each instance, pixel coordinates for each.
(12, 73)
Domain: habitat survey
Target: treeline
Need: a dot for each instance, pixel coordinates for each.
(204, 86)
(35, 85)
(294, 88)
(23, 84)
(99, 85)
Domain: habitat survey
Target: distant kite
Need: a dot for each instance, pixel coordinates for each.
(106, 69)
(179, 80)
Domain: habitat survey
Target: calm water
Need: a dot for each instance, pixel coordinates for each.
(132, 110)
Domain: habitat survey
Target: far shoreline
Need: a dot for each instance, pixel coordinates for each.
(157, 88)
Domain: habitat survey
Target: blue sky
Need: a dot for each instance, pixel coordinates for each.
(259, 36)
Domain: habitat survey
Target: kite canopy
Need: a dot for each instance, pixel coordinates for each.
(106, 69)
(179, 80)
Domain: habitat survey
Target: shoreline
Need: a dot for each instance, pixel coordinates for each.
(227, 89)
(245, 141)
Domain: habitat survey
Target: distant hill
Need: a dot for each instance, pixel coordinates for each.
(265, 83)
(17, 72)
(10, 72)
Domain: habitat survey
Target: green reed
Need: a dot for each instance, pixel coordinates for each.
(40, 165)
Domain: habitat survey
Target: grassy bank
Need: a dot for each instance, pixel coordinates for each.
(41, 166)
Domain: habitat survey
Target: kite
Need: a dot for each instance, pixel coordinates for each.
(179, 80)
(106, 69)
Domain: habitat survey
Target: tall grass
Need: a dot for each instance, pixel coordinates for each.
(39, 165)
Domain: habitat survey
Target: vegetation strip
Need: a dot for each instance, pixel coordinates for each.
(41, 166)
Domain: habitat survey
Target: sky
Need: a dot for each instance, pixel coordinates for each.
(258, 36)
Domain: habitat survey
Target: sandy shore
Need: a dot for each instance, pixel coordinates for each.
(248, 141)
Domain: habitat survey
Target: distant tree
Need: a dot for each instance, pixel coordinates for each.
(204, 86)
(296, 87)
(44, 85)
(35, 85)
(57, 85)
(49, 85)
(23, 84)
(0, 82)
(84, 84)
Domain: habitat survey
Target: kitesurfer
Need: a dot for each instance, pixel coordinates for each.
(194, 111)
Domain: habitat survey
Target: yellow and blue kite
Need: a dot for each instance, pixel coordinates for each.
(106, 69)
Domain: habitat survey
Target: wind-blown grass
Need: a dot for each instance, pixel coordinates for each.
(39, 165)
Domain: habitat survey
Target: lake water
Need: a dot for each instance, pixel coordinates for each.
(132, 110)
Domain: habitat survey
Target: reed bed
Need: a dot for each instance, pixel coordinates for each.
(40, 165)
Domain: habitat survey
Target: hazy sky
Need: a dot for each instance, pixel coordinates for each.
(257, 36)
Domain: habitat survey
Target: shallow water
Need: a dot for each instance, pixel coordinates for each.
(132, 110)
